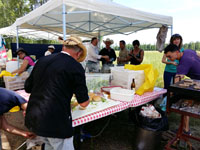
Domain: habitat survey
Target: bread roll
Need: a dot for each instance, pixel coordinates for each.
(74, 104)
(96, 98)
(91, 95)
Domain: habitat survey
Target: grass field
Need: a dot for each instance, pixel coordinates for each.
(154, 58)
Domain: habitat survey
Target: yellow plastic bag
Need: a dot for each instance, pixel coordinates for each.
(15, 109)
(6, 73)
(151, 76)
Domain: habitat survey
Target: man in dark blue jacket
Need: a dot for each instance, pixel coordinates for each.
(53, 81)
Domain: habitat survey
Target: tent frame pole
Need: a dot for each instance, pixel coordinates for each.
(17, 44)
(99, 38)
(64, 21)
(171, 30)
(17, 37)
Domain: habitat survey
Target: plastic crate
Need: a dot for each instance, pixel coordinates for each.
(16, 82)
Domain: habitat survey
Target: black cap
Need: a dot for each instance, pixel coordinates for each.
(21, 50)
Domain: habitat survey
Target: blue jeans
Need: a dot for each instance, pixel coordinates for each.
(168, 79)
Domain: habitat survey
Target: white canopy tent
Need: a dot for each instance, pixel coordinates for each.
(28, 33)
(88, 18)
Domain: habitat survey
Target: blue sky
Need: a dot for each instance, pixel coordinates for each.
(185, 13)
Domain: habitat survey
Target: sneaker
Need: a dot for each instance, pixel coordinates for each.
(187, 132)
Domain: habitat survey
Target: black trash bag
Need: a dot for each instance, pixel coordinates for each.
(153, 124)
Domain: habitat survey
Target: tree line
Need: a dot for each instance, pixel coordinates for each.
(152, 47)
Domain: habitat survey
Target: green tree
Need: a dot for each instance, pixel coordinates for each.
(36, 3)
(149, 46)
(193, 45)
(10, 10)
(185, 46)
(129, 46)
(197, 46)
(153, 47)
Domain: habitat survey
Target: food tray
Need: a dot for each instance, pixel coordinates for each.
(122, 94)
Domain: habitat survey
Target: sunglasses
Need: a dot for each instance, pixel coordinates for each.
(176, 35)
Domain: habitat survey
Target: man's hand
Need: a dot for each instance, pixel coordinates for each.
(29, 135)
(106, 58)
(85, 104)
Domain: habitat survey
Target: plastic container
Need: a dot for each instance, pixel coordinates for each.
(122, 94)
(11, 66)
(95, 81)
(106, 89)
(125, 78)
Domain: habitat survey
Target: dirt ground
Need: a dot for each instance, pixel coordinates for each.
(10, 141)
(120, 133)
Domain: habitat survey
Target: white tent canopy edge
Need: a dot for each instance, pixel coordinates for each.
(87, 18)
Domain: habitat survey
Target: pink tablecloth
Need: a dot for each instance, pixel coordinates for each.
(138, 100)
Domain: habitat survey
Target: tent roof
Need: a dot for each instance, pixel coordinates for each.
(89, 17)
(29, 33)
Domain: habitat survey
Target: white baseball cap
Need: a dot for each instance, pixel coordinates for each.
(51, 47)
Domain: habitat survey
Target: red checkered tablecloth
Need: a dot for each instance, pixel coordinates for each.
(97, 115)
(147, 97)
(138, 100)
(82, 120)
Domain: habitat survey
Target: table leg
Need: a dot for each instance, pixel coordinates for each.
(180, 130)
(178, 135)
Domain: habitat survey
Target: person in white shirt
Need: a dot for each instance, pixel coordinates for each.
(50, 50)
(93, 56)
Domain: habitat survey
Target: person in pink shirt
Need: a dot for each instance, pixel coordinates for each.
(28, 62)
